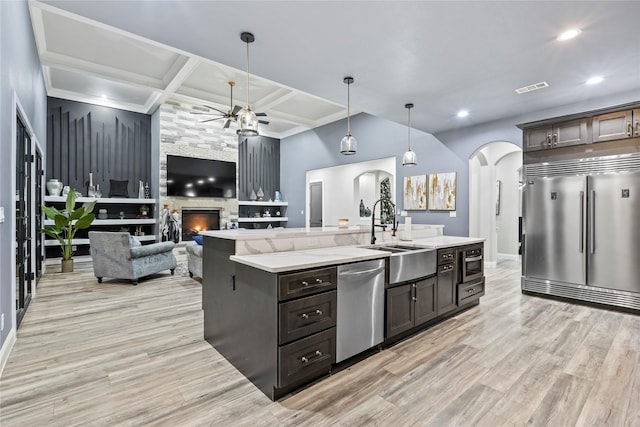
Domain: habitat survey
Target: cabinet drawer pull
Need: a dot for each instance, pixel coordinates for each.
(555, 139)
(471, 290)
(637, 127)
(304, 360)
(319, 312)
(305, 283)
(304, 315)
(318, 353)
(628, 128)
(414, 298)
(318, 280)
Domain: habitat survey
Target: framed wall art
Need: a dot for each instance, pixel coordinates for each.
(415, 193)
(442, 191)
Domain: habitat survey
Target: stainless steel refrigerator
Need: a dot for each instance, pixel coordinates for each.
(581, 222)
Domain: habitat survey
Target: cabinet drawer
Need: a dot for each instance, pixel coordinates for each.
(305, 316)
(306, 283)
(468, 292)
(307, 358)
(446, 256)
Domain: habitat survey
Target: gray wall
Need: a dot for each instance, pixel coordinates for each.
(377, 138)
(20, 71)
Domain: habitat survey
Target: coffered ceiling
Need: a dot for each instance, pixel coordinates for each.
(442, 56)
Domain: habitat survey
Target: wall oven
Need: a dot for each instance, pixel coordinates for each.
(471, 263)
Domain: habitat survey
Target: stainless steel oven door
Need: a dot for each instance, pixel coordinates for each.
(472, 265)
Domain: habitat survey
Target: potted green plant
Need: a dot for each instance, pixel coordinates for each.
(67, 224)
(144, 210)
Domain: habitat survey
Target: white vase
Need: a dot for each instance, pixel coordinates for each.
(54, 187)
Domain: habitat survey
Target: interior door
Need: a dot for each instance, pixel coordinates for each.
(614, 231)
(315, 208)
(554, 225)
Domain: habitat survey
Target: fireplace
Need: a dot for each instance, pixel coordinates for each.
(196, 220)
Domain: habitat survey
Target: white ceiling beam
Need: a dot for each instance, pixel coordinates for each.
(179, 76)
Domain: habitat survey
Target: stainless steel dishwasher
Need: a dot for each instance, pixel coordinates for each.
(360, 322)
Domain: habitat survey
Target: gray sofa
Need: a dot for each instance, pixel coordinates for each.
(121, 256)
(194, 259)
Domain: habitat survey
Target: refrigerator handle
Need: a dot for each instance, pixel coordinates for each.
(581, 244)
(592, 217)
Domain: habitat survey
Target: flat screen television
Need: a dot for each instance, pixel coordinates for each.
(191, 177)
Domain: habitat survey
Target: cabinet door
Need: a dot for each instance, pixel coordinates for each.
(612, 126)
(537, 138)
(425, 300)
(636, 123)
(569, 133)
(400, 310)
(447, 300)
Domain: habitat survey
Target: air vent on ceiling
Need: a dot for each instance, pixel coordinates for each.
(532, 87)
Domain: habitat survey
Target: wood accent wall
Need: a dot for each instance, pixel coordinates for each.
(259, 166)
(111, 143)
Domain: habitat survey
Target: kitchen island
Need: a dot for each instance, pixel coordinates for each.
(271, 302)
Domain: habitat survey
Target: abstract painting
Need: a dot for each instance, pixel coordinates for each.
(442, 191)
(415, 193)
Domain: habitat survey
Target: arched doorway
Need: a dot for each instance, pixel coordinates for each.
(495, 199)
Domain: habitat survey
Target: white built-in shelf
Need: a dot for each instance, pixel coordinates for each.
(263, 203)
(265, 219)
(115, 221)
(54, 242)
(118, 200)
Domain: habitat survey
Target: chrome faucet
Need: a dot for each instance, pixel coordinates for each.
(394, 227)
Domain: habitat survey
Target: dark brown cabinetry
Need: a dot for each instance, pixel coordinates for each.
(564, 134)
(447, 300)
(306, 325)
(410, 305)
(618, 125)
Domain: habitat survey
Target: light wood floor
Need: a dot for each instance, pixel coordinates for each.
(115, 354)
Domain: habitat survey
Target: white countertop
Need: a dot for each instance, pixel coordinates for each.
(444, 241)
(277, 262)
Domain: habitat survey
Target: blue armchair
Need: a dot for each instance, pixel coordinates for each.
(121, 256)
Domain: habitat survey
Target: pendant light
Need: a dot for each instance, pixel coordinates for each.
(247, 120)
(409, 158)
(348, 145)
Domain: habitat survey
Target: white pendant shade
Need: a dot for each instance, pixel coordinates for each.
(247, 122)
(348, 145)
(409, 158)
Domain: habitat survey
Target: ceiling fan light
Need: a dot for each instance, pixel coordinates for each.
(348, 145)
(247, 122)
(409, 158)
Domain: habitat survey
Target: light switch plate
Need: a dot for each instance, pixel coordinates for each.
(452, 214)
(1, 214)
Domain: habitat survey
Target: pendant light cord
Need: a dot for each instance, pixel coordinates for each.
(409, 129)
(348, 109)
(248, 104)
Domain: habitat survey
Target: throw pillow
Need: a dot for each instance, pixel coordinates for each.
(118, 188)
(198, 239)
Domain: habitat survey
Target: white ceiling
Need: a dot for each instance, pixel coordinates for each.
(442, 56)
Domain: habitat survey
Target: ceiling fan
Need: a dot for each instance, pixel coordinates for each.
(231, 114)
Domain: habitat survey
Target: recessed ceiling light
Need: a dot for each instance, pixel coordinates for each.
(595, 80)
(569, 34)
(463, 113)
(104, 96)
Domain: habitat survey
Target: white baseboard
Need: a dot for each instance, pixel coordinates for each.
(510, 257)
(6, 349)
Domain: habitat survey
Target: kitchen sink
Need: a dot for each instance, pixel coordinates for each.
(408, 263)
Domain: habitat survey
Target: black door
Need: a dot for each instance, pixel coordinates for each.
(23, 220)
(38, 238)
